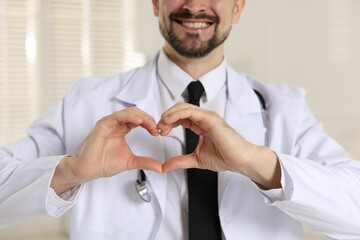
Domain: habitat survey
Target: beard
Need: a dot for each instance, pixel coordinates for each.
(192, 46)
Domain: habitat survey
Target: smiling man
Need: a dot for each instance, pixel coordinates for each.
(214, 153)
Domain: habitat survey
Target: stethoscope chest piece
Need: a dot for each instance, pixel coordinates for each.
(142, 189)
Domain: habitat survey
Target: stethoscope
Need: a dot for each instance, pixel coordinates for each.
(141, 187)
(140, 184)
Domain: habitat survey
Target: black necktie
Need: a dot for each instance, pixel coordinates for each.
(204, 223)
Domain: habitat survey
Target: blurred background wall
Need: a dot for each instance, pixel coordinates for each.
(47, 44)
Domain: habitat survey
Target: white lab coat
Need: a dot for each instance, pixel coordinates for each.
(321, 184)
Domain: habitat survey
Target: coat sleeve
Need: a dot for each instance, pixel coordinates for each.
(322, 183)
(26, 170)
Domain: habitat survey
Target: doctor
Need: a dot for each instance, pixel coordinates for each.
(83, 155)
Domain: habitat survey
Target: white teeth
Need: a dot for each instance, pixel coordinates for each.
(197, 25)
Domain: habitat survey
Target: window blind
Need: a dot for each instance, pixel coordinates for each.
(45, 45)
(342, 31)
(14, 81)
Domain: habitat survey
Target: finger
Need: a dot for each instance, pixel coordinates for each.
(150, 126)
(135, 117)
(197, 119)
(148, 122)
(170, 119)
(178, 106)
(146, 163)
(125, 117)
(180, 162)
(164, 130)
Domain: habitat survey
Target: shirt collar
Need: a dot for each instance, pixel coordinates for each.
(176, 80)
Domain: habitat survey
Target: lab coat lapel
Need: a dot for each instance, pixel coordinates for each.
(243, 114)
(243, 109)
(140, 91)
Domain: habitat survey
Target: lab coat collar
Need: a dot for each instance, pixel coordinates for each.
(243, 109)
(139, 87)
(241, 94)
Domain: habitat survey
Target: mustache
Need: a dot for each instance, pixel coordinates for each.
(188, 15)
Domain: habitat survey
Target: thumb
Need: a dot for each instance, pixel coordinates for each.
(145, 163)
(180, 162)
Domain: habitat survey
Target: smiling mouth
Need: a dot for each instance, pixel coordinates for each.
(196, 25)
(191, 21)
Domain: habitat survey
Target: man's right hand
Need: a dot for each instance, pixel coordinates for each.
(105, 152)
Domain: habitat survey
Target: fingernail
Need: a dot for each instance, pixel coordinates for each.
(155, 133)
(163, 132)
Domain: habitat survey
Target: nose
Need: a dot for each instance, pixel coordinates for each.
(195, 6)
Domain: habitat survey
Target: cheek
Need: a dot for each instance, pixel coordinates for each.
(218, 4)
(166, 7)
(164, 12)
(164, 22)
(162, 17)
(224, 10)
(222, 6)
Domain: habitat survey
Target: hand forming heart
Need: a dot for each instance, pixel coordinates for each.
(105, 152)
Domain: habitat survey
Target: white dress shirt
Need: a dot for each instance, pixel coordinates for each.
(173, 82)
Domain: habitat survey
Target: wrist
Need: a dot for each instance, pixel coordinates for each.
(264, 168)
(64, 177)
